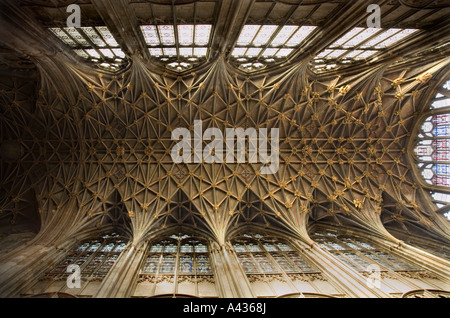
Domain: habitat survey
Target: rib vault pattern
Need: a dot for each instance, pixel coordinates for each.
(97, 141)
(84, 150)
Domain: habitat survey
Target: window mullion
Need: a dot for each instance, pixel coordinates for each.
(176, 269)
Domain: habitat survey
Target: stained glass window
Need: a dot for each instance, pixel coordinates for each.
(192, 45)
(191, 255)
(260, 255)
(259, 45)
(433, 147)
(359, 44)
(95, 257)
(93, 44)
(248, 264)
(166, 34)
(360, 255)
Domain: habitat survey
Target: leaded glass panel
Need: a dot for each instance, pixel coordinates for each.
(168, 264)
(248, 264)
(360, 255)
(151, 264)
(284, 263)
(301, 264)
(186, 264)
(433, 147)
(95, 257)
(258, 45)
(180, 254)
(357, 45)
(203, 266)
(94, 44)
(178, 56)
(261, 255)
(201, 248)
(170, 248)
(284, 247)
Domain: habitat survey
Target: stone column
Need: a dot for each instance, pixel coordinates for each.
(22, 269)
(121, 279)
(231, 281)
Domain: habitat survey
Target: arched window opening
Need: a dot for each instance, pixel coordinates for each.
(180, 47)
(94, 44)
(259, 46)
(433, 148)
(259, 255)
(94, 258)
(178, 264)
(360, 254)
(436, 248)
(275, 267)
(393, 273)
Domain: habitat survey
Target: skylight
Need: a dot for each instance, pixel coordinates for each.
(258, 45)
(94, 44)
(357, 45)
(192, 45)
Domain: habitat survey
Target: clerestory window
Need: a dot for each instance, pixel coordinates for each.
(261, 255)
(360, 254)
(191, 255)
(94, 257)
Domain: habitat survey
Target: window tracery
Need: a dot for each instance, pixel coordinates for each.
(433, 147)
(259, 45)
(95, 44)
(178, 46)
(275, 266)
(179, 263)
(191, 255)
(264, 255)
(360, 254)
(95, 257)
(359, 44)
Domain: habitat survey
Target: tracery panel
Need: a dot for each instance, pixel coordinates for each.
(95, 258)
(360, 254)
(433, 148)
(95, 44)
(179, 264)
(191, 48)
(275, 267)
(395, 274)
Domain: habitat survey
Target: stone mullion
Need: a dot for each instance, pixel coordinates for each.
(231, 281)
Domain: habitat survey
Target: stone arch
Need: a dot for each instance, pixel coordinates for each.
(176, 261)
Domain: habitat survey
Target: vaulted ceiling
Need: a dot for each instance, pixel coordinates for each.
(83, 146)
